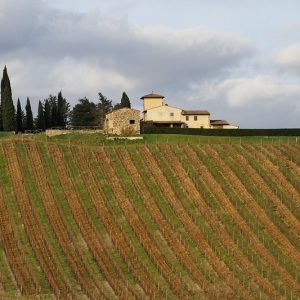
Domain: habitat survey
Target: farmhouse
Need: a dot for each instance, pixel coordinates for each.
(158, 113)
(122, 121)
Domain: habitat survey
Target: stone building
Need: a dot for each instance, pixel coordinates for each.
(122, 121)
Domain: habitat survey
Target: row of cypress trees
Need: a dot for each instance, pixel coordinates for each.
(53, 112)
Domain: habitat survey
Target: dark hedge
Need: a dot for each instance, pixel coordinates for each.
(222, 132)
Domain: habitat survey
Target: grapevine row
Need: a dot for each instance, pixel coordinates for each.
(198, 237)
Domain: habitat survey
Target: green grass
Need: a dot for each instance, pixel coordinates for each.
(98, 139)
(247, 216)
(140, 209)
(43, 220)
(201, 222)
(171, 217)
(18, 227)
(65, 212)
(129, 234)
(84, 147)
(91, 213)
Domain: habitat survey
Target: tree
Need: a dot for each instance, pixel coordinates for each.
(103, 107)
(54, 121)
(7, 105)
(125, 102)
(19, 117)
(1, 121)
(63, 111)
(47, 114)
(40, 120)
(29, 116)
(84, 114)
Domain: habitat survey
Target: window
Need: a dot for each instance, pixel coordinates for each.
(132, 122)
(195, 118)
(171, 114)
(186, 118)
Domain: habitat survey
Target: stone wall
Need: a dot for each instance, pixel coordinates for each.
(54, 132)
(125, 120)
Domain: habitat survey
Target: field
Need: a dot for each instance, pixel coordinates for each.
(167, 218)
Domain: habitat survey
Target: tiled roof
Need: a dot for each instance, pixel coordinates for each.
(195, 112)
(152, 95)
(219, 122)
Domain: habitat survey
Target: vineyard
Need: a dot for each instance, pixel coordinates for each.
(149, 221)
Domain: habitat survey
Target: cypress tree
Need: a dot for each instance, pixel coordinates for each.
(29, 116)
(7, 105)
(1, 122)
(19, 121)
(47, 114)
(40, 121)
(63, 110)
(54, 115)
(125, 102)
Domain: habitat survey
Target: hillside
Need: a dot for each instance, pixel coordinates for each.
(158, 221)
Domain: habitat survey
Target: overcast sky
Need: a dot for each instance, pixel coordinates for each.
(239, 59)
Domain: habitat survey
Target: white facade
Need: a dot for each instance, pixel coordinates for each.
(196, 120)
(163, 113)
(156, 111)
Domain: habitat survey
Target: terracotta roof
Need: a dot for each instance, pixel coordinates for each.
(152, 95)
(195, 112)
(219, 122)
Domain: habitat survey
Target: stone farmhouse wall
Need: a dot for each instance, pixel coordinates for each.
(121, 120)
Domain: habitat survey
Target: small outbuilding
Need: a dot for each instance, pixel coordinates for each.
(222, 124)
(122, 121)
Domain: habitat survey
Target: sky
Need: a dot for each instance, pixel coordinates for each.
(239, 59)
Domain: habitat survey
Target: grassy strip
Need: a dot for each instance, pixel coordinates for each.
(248, 244)
(285, 191)
(7, 282)
(65, 210)
(92, 215)
(202, 223)
(17, 223)
(170, 216)
(274, 188)
(287, 167)
(132, 240)
(152, 228)
(262, 201)
(38, 208)
(219, 219)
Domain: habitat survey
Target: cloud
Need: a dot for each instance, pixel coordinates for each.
(288, 59)
(262, 89)
(48, 49)
(261, 101)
